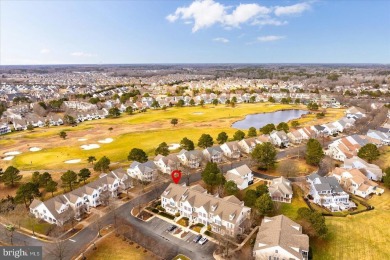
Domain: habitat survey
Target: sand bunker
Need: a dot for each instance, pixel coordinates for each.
(106, 141)
(8, 158)
(12, 153)
(35, 149)
(174, 146)
(73, 161)
(90, 146)
(197, 113)
(82, 139)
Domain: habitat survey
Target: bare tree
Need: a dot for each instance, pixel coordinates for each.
(288, 168)
(59, 249)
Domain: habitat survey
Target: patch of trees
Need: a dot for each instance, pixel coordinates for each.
(205, 141)
(212, 176)
(102, 165)
(11, 176)
(138, 155)
(162, 149)
(312, 106)
(315, 220)
(114, 112)
(187, 144)
(386, 178)
(282, 126)
(251, 195)
(369, 152)
(222, 138)
(21, 99)
(3, 108)
(252, 132)
(267, 129)
(265, 155)
(55, 105)
(238, 135)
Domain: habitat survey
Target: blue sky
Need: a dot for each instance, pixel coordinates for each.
(209, 31)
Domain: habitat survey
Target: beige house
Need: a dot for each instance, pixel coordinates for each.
(225, 216)
(280, 190)
(354, 181)
(280, 238)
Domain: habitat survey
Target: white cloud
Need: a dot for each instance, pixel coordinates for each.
(245, 12)
(270, 38)
(291, 9)
(82, 54)
(205, 13)
(220, 39)
(269, 21)
(44, 51)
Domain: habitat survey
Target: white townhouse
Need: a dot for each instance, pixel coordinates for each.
(280, 190)
(344, 123)
(231, 150)
(61, 208)
(54, 211)
(279, 138)
(241, 175)
(280, 238)
(295, 137)
(146, 171)
(167, 164)
(355, 112)
(354, 181)
(330, 129)
(192, 159)
(19, 124)
(326, 192)
(226, 216)
(4, 129)
(383, 138)
(247, 145)
(371, 171)
(213, 154)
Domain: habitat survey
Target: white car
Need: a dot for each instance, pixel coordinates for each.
(203, 240)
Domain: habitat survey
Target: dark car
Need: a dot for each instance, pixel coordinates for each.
(197, 238)
(171, 228)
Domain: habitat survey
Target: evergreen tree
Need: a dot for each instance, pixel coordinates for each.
(187, 144)
(11, 176)
(252, 132)
(205, 141)
(369, 152)
(265, 155)
(314, 152)
(138, 155)
(222, 138)
(69, 178)
(239, 135)
(162, 149)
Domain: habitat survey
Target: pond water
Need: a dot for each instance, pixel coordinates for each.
(260, 120)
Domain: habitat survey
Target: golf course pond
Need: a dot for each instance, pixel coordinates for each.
(261, 119)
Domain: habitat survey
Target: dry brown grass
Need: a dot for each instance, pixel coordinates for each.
(114, 248)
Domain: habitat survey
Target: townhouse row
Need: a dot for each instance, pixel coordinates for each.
(74, 204)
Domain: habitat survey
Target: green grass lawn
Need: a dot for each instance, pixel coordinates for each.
(142, 130)
(384, 158)
(362, 236)
(39, 226)
(291, 209)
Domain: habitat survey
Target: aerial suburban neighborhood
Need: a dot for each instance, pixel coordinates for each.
(205, 129)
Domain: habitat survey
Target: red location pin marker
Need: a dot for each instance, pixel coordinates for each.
(176, 176)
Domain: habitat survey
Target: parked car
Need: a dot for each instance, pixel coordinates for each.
(171, 228)
(197, 238)
(203, 240)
